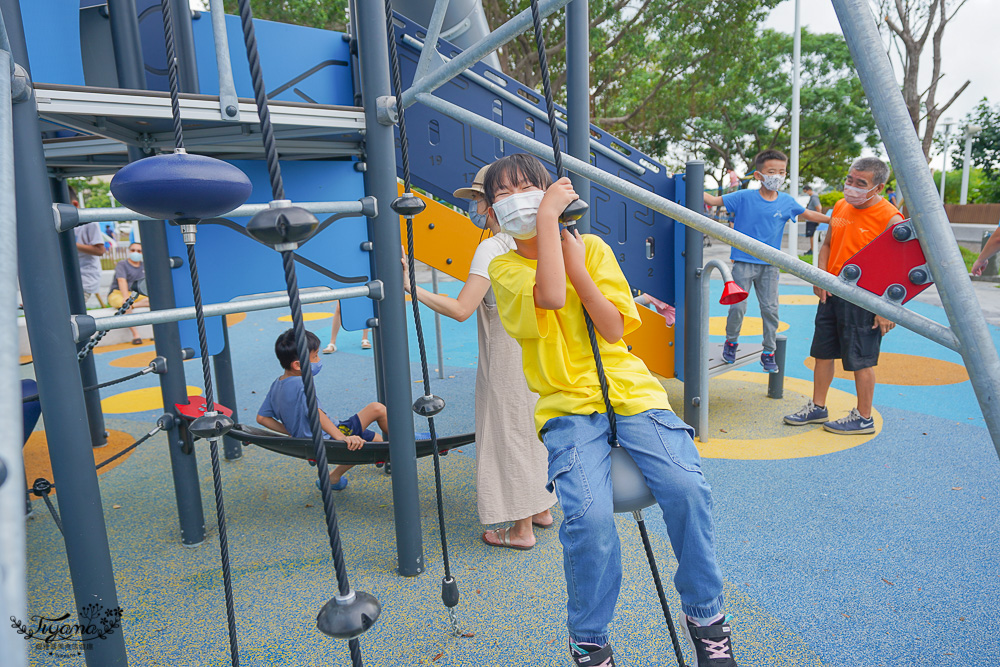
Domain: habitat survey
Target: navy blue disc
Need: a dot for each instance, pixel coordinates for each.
(179, 186)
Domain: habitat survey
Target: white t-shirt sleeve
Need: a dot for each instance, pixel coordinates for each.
(487, 251)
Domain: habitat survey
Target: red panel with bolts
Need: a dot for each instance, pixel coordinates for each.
(196, 407)
(893, 265)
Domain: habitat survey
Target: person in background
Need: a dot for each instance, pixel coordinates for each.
(335, 329)
(890, 194)
(811, 205)
(991, 248)
(127, 272)
(89, 249)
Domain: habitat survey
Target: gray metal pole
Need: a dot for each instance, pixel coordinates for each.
(77, 306)
(180, 11)
(46, 311)
(429, 54)
(944, 156)
(380, 181)
(776, 381)
(963, 198)
(695, 347)
(173, 386)
(13, 555)
(578, 95)
(229, 103)
(929, 219)
(225, 387)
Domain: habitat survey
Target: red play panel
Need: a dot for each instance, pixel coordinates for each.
(892, 266)
(196, 407)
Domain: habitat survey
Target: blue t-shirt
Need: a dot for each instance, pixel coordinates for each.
(286, 402)
(760, 219)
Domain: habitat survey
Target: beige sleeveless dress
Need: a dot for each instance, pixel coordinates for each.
(511, 463)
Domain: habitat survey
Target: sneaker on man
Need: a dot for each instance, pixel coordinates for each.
(729, 352)
(852, 424)
(591, 655)
(712, 644)
(768, 362)
(810, 414)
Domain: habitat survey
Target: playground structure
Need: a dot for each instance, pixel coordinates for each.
(331, 123)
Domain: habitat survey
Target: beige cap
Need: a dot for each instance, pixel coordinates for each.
(477, 185)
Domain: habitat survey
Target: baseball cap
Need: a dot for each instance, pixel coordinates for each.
(477, 185)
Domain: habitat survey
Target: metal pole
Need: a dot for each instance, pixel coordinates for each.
(437, 325)
(695, 345)
(187, 63)
(929, 219)
(793, 162)
(229, 104)
(578, 95)
(971, 132)
(13, 559)
(944, 156)
(701, 340)
(380, 181)
(429, 53)
(77, 306)
(226, 388)
(776, 381)
(46, 311)
(173, 386)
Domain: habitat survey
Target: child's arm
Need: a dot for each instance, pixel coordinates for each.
(272, 423)
(550, 274)
(713, 200)
(608, 320)
(353, 441)
(457, 308)
(815, 216)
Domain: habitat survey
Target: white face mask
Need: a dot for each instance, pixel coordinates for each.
(516, 213)
(773, 182)
(856, 196)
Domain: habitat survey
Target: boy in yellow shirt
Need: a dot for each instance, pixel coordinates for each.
(543, 311)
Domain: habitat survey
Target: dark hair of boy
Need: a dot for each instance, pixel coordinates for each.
(769, 154)
(284, 347)
(516, 169)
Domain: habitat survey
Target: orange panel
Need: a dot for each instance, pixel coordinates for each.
(653, 342)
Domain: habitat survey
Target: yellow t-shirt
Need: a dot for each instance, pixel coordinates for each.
(555, 347)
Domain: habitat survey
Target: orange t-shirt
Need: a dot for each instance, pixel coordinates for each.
(851, 229)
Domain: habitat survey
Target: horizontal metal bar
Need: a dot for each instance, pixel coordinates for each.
(525, 105)
(903, 316)
(478, 51)
(371, 289)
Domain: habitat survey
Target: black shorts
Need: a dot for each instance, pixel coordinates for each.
(811, 228)
(845, 331)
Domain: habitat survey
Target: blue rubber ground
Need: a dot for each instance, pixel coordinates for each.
(885, 553)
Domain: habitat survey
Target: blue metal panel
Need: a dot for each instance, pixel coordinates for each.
(52, 32)
(231, 264)
(445, 155)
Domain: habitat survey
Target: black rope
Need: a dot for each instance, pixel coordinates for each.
(95, 387)
(172, 74)
(129, 448)
(403, 143)
(52, 511)
(96, 338)
(659, 588)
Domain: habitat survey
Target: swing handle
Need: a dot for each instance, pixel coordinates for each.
(573, 212)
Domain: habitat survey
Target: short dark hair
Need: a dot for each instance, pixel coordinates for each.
(807, 187)
(890, 188)
(514, 170)
(768, 154)
(285, 350)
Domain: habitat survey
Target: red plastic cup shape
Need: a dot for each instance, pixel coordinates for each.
(732, 293)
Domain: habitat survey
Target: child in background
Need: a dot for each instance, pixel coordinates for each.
(543, 311)
(284, 408)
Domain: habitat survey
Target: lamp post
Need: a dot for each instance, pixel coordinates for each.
(971, 132)
(793, 230)
(948, 122)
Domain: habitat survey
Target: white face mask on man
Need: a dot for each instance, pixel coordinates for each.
(517, 213)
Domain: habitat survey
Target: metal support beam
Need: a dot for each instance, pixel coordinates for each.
(695, 345)
(578, 95)
(225, 385)
(46, 311)
(380, 181)
(929, 219)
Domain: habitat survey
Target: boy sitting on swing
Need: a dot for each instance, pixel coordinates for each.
(544, 313)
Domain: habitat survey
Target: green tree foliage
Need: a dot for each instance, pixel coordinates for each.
(978, 186)
(325, 14)
(753, 113)
(95, 193)
(986, 150)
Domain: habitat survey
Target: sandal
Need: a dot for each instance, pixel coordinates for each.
(543, 525)
(503, 534)
(330, 349)
(137, 341)
(365, 345)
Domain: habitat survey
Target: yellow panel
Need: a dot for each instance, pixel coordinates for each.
(449, 245)
(653, 342)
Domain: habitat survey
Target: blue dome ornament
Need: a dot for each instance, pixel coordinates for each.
(180, 186)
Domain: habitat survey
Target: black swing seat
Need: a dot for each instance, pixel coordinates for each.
(336, 450)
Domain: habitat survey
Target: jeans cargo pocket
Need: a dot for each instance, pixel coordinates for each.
(678, 440)
(568, 479)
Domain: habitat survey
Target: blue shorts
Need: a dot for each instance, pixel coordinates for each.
(352, 426)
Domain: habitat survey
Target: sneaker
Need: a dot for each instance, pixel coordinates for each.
(330, 349)
(365, 345)
(711, 644)
(852, 424)
(729, 352)
(339, 486)
(810, 414)
(592, 655)
(767, 361)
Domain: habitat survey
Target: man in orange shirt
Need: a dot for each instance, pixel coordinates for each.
(843, 330)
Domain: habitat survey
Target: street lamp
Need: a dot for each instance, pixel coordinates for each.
(948, 122)
(971, 132)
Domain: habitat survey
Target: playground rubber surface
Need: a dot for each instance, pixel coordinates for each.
(840, 551)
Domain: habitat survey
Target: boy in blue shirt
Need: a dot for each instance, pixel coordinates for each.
(760, 214)
(284, 408)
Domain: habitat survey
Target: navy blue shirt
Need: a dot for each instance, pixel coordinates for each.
(760, 219)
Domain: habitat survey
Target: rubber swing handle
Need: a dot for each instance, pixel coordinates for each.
(573, 212)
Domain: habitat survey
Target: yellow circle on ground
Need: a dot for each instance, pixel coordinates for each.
(235, 318)
(798, 299)
(744, 424)
(752, 326)
(139, 400)
(308, 317)
(36, 454)
(118, 347)
(907, 369)
(140, 360)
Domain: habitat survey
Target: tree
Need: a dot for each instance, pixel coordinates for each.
(95, 193)
(325, 14)
(908, 24)
(753, 108)
(986, 149)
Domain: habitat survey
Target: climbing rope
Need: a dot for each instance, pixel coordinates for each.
(97, 337)
(428, 404)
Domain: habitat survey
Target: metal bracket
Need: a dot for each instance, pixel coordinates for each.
(386, 111)
(20, 85)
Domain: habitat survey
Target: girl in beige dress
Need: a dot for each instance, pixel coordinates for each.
(511, 462)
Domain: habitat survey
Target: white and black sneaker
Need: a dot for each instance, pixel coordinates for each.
(712, 644)
(592, 655)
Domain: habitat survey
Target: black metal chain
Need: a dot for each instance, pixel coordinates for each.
(97, 337)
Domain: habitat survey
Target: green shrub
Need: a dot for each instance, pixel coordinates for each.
(828, 199)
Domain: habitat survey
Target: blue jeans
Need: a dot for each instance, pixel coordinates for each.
(580, 470)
